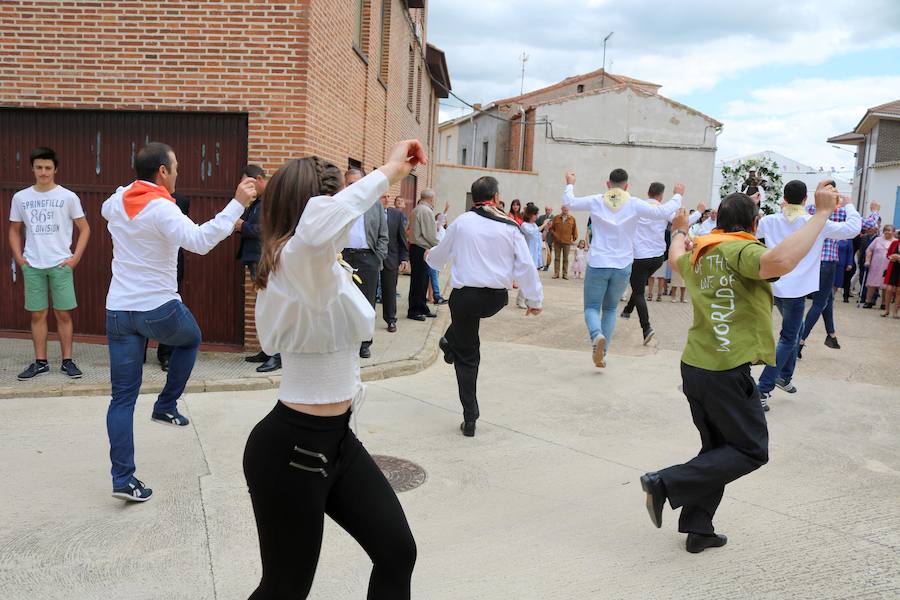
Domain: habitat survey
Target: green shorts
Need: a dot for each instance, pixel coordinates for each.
(57, 281)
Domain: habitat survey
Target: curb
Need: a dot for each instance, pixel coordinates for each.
(420, 361)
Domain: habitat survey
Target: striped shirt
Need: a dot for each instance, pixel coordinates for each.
(830, 250)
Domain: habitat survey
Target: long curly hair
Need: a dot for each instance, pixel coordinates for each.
(287, 195)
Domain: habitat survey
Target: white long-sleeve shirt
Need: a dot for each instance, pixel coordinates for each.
(614, 231)
(804, 279)
(487, 254)
(145, 249)
(311, 311)
(650, 235)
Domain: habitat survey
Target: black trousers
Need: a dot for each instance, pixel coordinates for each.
(467, 307)
(848, 275)
(292, 489)
(420, 280)
(367, 268)
(641, 271)
(734, 441)
(389, 279)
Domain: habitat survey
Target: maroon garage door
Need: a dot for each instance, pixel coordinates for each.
(96, 149)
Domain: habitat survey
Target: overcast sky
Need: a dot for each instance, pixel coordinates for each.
(782, 76)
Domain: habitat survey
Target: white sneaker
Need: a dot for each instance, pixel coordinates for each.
(599, 354)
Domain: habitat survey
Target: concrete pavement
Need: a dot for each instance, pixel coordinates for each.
(543, 503)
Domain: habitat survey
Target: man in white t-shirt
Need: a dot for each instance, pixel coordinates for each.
(147, 229)
(45, 213)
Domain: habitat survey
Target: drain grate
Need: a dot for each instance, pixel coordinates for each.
(403, 475)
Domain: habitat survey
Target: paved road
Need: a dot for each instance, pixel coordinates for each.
(542, 504)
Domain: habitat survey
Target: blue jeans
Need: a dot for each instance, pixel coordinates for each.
(791, 310)
(823, 301)
(602, 289)
(126, 331)
(435, 283)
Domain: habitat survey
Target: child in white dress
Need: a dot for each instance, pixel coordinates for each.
(578, 266)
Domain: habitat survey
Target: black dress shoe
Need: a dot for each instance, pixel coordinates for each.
(273, 364)
(429, 315)
(444, 344)
(698, 542)
(416, 317)
(364, 351)
(653, 485)
(832, 342)
(467, 428)
(259, 357)
(392, 327)
(164, 365)
(441, 301)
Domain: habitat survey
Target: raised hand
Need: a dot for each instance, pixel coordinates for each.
(827, 197)
(679, 188)
(570, 177)
(403, 158)
(246, 192)
(701, 208)
(680, 220)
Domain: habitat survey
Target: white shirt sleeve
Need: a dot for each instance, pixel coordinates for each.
(694, 217)
(438, 256)
(846, 230)
(657, 212)
(76, 210)
(526, 275)
(199, 239)
(310, 256)
(569, 199)
(15, 213)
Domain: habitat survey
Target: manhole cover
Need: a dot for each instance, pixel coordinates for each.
(403, 475)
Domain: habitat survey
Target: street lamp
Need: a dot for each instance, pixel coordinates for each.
(603, 77)
(844, 149)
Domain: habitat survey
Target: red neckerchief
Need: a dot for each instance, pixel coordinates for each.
(140, 194)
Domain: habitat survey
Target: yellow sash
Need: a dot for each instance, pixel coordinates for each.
(792, 212)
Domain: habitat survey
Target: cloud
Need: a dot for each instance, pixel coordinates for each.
(796, 118)
(686, 46)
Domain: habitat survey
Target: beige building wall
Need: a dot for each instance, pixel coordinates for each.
(453, 182)
(883, 186)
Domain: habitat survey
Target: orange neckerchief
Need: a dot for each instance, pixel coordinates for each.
(705, 243)
(142, 193)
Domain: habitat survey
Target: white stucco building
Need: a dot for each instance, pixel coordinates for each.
(877, 175)
(591, 123)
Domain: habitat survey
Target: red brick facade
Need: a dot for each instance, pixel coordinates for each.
(294, 67)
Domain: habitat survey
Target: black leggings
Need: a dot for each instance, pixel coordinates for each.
(641, 271)
(299, 468)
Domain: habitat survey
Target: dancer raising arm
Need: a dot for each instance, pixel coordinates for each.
(727, 274)
(302, 461)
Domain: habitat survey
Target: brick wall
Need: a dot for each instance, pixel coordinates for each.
(888, 149)
(291, 66)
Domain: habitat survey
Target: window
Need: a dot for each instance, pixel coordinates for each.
(352, 163)
(419, 95)
(463, 156)
(580, 88)
(447, 149)
(411, 72)
(484, 156)
(384, 44)
(358, 24)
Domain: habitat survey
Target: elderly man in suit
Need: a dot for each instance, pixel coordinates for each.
(396, 262)
(366, 249)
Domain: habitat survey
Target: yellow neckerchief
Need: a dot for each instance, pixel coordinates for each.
(705, 243)
(792, 212)
(349, 268)
(616, 198)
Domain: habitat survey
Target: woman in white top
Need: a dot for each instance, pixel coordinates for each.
(302, 461)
